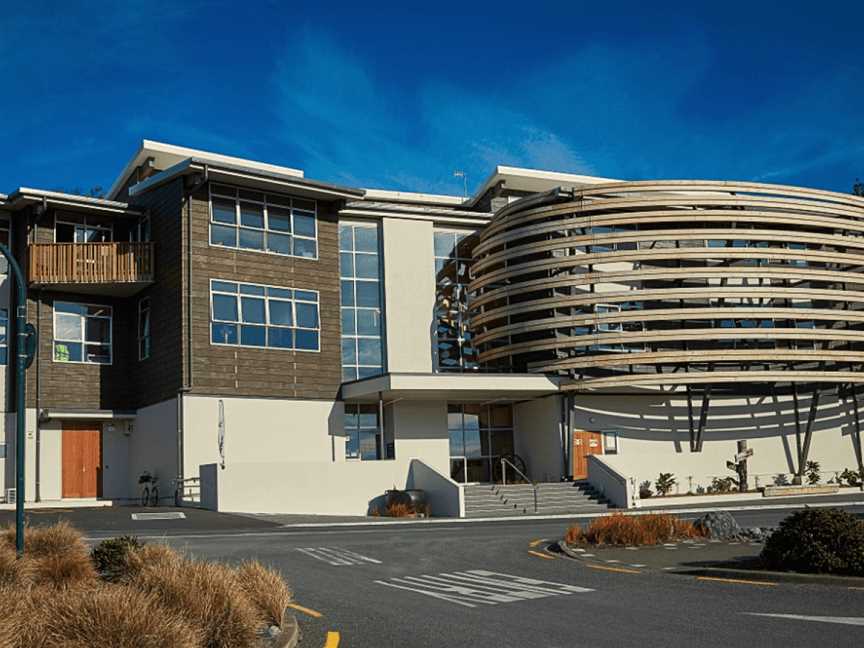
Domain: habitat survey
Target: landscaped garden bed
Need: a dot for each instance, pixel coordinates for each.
(126, 594)
(619, 529)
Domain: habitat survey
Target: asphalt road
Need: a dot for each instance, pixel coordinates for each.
(480, 585)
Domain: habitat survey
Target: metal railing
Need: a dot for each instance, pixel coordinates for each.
(90, 263)
(504, 464)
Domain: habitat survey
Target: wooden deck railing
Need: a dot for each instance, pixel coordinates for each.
(90, 263)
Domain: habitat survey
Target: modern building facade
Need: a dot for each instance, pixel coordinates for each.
(280, 344)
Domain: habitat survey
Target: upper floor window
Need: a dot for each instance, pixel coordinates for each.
(144, 328)
(360, 283)
(454, 350)
(71, 228)
(253, 220)
(82, 333)
(264, 316)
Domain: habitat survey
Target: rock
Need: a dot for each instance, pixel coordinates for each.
(719, 525)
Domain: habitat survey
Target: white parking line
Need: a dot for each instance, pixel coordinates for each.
(479, 587)
(337, 556)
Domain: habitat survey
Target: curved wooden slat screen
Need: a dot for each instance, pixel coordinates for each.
(674, 283)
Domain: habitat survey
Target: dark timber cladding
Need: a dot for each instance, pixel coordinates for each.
(244, 371)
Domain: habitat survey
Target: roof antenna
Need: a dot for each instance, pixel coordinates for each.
(461, 174)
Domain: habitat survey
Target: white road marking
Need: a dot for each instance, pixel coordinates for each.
(855, 621)
(337, 556)
(613, 561)
(636, 565)
(168, 515)
(480, 587)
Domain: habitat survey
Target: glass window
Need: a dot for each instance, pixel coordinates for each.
(360, 272)
(144, 328)
(251, 220)
(453, 350)
(82, 333)
(362, 432)
(479, 436)
(610, 443)
(4, 335)
(264, 316)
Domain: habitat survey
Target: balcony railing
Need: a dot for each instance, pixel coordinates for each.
(91, 263)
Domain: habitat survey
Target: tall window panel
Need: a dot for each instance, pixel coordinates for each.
(271, 317)
(360, 282)
(454, 350)
(479, 436)
(253, 220)
(82, 333)
(362, 432)
(144, 328)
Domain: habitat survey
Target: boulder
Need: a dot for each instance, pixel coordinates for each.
(719, 525)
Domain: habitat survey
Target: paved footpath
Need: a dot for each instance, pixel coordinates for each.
(494, 584)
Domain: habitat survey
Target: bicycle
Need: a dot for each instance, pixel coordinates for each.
(149, 489)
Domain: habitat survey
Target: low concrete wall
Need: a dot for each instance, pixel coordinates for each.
(614, 486)
(445, 496)
(318, 488)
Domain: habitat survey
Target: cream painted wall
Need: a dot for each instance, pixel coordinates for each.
(409, 290)
(654, 435)
(262, 430)
(420, 429)
(50, 461)
(537, 437)
(115, 460)
(153, 447)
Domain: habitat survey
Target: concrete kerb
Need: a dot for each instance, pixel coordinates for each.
(775, 576)
(289, 635)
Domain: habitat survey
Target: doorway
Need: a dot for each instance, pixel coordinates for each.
(82, 460)
(584, 443)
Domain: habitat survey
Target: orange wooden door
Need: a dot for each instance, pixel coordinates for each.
(584, 443)
(82, 459)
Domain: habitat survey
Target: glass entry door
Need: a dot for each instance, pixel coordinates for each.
(479, 436)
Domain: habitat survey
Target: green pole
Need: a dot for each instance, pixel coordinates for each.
(21, 362)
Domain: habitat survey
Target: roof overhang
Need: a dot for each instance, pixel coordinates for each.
(247, 177)
(24, 196)
(438, 214)
(413, 197)
(167, 155)
(534, 181)
(444, 386)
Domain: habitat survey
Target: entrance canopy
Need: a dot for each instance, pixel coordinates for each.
(446, 386)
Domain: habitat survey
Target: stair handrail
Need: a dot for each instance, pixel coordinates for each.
(504, 464)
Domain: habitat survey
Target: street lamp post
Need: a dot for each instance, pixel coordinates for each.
(25, 348)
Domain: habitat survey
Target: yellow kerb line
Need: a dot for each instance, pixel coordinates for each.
(536, 542)
(620, 570)
(541, 555)
(305, 610)
(332, 640)
(739, 581)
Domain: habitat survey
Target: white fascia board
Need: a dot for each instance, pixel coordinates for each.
(538, 180)
(491, 386)
(413, 197)
(435, 218)
(168, 155)
(28, 195)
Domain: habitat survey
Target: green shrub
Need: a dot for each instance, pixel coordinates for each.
(721, 485)
(780, 479)
(665, 483)
(110, 557)
(645, 489)
(829, 541)
(812, 468)
(851, 477)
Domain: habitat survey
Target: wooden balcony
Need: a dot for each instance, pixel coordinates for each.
(120, 268)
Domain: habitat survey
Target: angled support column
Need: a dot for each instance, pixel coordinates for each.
(808, 434)
(798, 444)
(703, 417)
(690, 419)
(856, 438)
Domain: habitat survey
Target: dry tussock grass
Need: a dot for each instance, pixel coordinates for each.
(621, 529)
(207, 594)
(103, 615)
(47, 540)
(266, 589)
(399, 510)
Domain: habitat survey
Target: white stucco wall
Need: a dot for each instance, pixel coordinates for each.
(420, 430)
(153, 447)
(653, 435)
(537, 437)
(409, 292)
(261, 430)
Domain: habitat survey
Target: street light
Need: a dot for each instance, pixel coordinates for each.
(25, 350)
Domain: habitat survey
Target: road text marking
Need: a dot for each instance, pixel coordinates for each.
(856, 621)
(739, 581)
(305, 610)
(480, 587)
(337, 556)
(541, 555)
(168, 515)
(620, 570)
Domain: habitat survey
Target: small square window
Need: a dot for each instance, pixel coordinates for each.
(610, 443)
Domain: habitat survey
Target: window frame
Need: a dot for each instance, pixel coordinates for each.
(148, 337)
(293, 300)
(265, 230)
(61, 221)
(614, 447)
(464, 364)
(380, 450)
(83, 341)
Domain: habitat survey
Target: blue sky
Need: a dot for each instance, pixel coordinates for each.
(399, 96)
